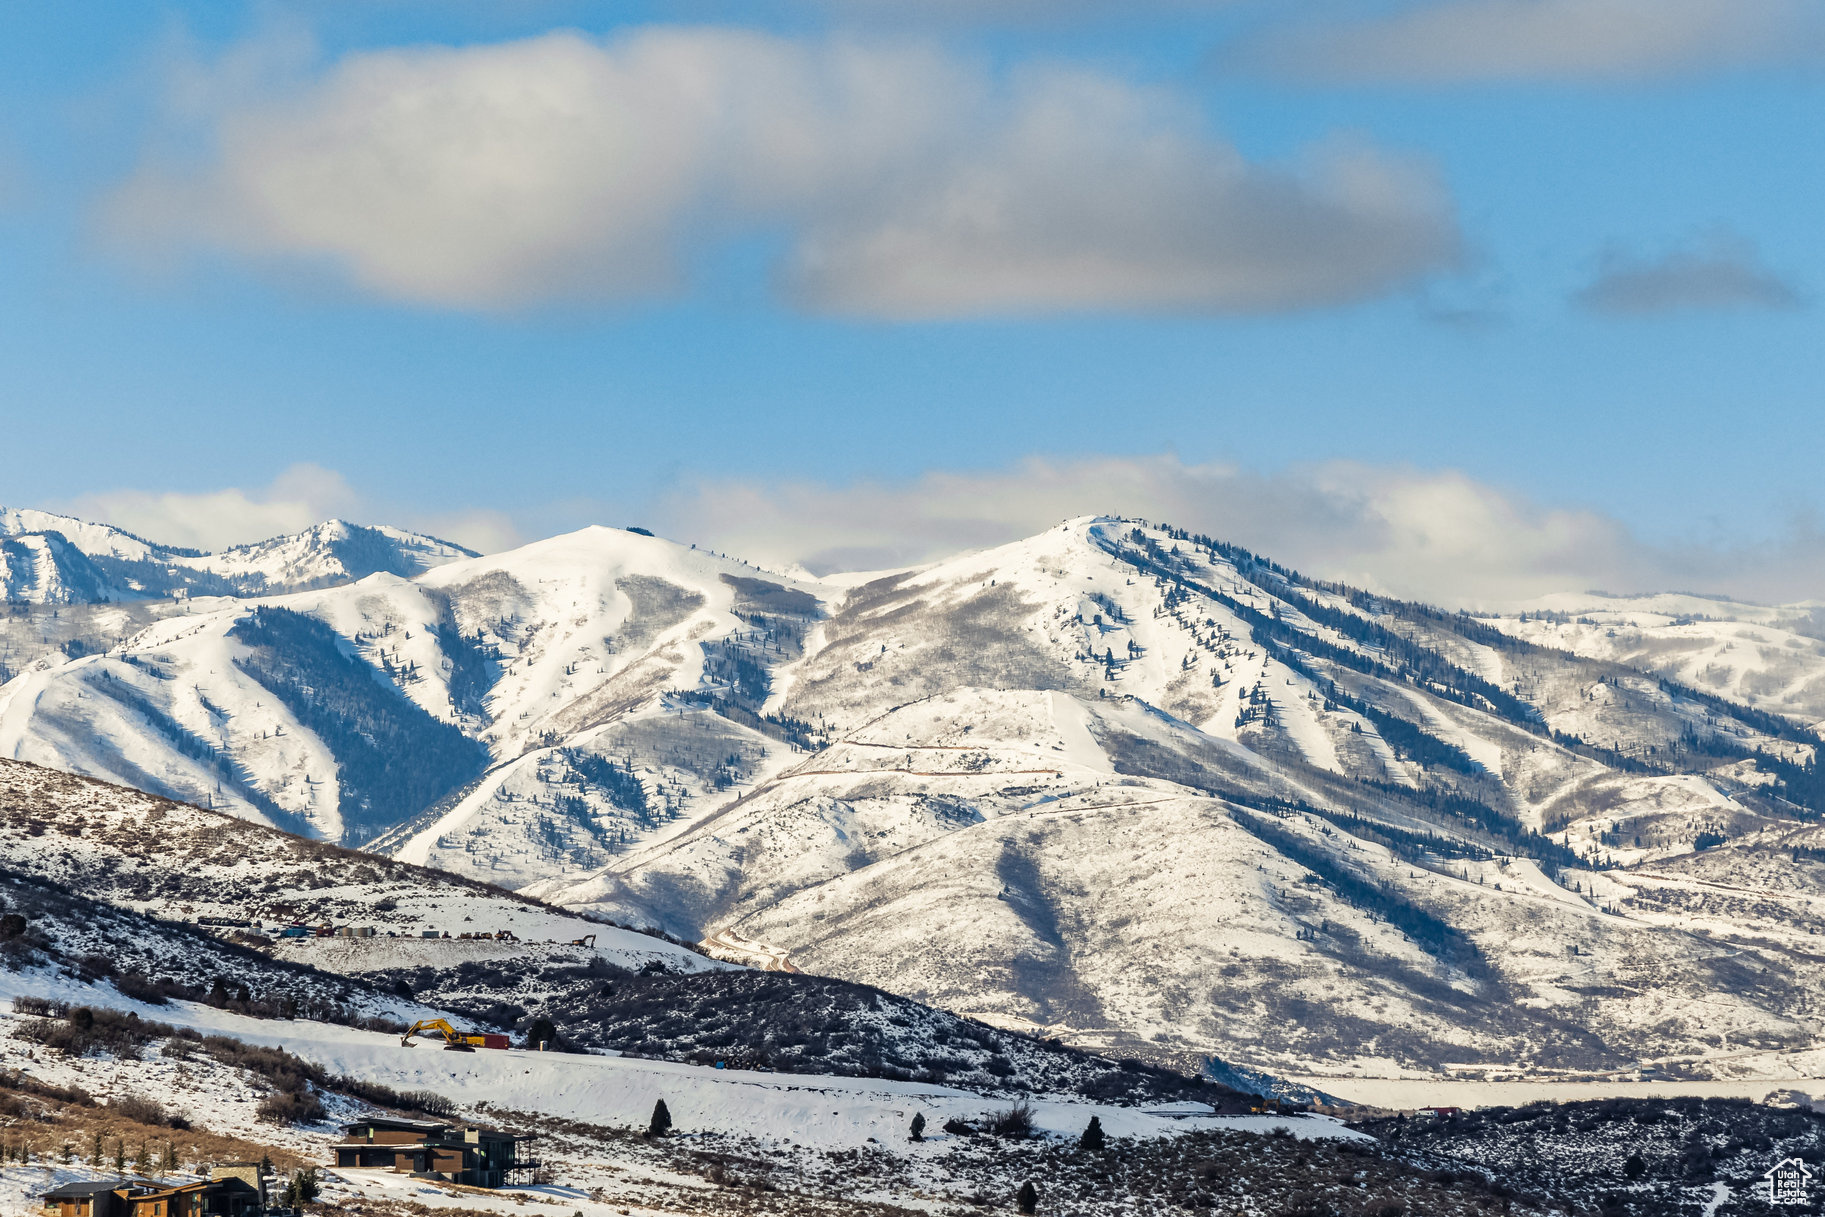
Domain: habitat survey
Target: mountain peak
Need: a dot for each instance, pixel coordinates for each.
(117, 565)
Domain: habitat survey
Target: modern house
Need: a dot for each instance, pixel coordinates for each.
(236, 1189)
(126, 1198)
(479, 1157)
(182, 1200)
(233, 1191)
(88, 1199)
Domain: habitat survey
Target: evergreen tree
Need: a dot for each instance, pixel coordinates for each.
(120, 1156)
(95, 1151)
(1027, 1199)
(662, 1120)
(142, 1161)
(301, 1189)
(68, 1153)
(918, 1126)
(1093, 1135)
(541, 1032)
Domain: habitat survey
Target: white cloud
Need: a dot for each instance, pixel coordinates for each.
(303, 495)
(1446, 42)
(1438, 536)
(904, 181)
(1717, 270)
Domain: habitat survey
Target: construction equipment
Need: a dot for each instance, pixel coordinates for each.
(454, 1040)
(588, 940)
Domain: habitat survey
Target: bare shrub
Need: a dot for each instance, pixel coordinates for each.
(290, 1107)
(39, 1007)
(428, 1102)
(138, 1109)
(1016, 1123)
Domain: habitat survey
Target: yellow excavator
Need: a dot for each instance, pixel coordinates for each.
(454, 1040)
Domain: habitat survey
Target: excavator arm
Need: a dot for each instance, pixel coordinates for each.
(453, 1040)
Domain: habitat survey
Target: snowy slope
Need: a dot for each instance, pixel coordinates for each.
(1013, 880)
(182, 863)
(812, 1110)
(1770, 657)
(44, 568)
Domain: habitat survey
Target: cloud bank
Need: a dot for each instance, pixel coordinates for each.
(1719, 270)
(899, 182)
(1457, 42)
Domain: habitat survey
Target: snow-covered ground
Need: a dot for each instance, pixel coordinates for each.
(618, 1091)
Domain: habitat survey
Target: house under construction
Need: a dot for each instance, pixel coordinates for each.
(479, 1157)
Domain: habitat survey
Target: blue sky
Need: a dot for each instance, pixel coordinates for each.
(1566, 254)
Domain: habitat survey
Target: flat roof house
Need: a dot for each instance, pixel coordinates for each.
(126, 1198)
(479, 1157)
(183, 1200)
(228, 1194)
(87, 1199)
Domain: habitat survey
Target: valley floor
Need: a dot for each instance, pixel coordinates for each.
(1411, 1093)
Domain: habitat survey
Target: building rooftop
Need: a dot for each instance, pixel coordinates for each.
(82, 1189)
(394, 1122)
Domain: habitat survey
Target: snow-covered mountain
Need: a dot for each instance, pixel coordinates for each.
(356, 710)
(1142, 790)
(47, 558)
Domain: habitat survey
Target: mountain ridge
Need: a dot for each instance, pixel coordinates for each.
(1039, 783)
(120, 565)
